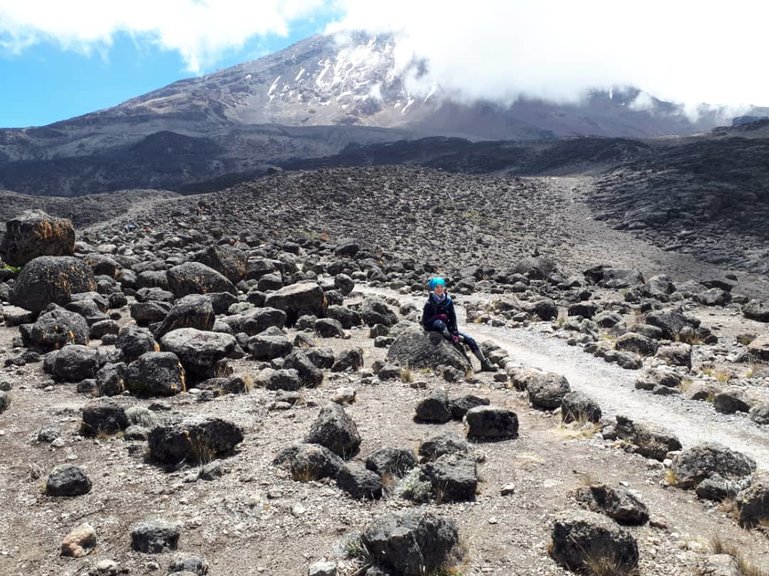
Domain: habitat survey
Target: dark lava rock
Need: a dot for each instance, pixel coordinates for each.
(637, 343)
(418, 349)
(268, 345)
(394, 461)
(491, 423)
(460, 406)
(196, 439)
(376, 311)
(731, 400)
(228, 261)
(454, 478)
(546, 390)
(198, 351)
(55, 328)
(695, 464)
(133, 341)
(578, 407)
(412, 543)
(51, 279)
(580, 537)
(436, 446)
(155, 536)
(335, 430)
(310, 462)
(103, 417)
(75, 362)
(301, 361)
(34, 233)
(753, 502)
(617, 503)
(756, 310)
(297, 300)
(197, 278)
(192, 311)
(329, 328)
(67, 480)
(650, 441)
(359, 482)
(155, 374)
(351, 359)
(434, 408)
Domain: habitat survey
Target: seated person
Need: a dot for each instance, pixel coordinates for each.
(439, 316)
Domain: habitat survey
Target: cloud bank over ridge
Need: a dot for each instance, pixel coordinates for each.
(683, 51)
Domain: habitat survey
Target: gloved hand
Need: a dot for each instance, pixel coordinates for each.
(455, 338)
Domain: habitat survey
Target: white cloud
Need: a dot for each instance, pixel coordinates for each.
(683, 50)
(200, 30)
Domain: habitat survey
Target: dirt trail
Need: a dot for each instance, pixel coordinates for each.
(613, 387)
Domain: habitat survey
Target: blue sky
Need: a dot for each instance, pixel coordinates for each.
(63, 58)
(47, 82)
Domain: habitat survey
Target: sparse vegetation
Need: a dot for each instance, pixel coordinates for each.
(609, 566)
(720, 546)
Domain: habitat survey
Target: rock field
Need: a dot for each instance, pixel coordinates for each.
(237, 384)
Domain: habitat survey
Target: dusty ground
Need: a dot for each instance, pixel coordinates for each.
(255, 520)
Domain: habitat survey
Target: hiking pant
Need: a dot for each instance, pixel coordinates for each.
(440, 326)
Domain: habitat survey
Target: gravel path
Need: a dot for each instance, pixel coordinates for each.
(614, 387)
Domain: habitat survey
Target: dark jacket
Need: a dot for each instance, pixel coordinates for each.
(433, 308)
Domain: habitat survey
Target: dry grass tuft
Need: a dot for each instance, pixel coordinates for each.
(719, 546)
(609, 566)
(407, 375)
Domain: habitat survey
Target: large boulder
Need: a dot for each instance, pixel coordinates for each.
(359, 482)
(51, 279)
(454, 478)
(417, 349)
(297, 300)
(302, 361)
(412, 543)
(197, 278)
(759, 348)
(703, 461)
(375, 311)
(617, 503)
(155, 374)
(650, 441)
(67, 480)
(753, 502)
(546, 390)
(393, 461)
(255, 321)
(75, 362)
(56, 328)
(269, 345)
(434, 408)
(335, 430)
(579, 407)
(490, 423)
(671, 322)
(133, 341)
(103, 417)
(196, 439)
(191, 311)
(756, 310)
(34, 233)
(155, 536)
(309, 462)
(198, 351)
(581, 537)
(228, 261)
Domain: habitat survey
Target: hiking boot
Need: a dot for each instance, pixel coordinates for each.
(487, 366)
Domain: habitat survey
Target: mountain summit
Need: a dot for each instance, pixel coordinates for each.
(310, 100)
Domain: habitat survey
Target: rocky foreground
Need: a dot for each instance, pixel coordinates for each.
(237, 384)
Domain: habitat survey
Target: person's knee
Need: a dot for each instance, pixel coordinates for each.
(438, 326)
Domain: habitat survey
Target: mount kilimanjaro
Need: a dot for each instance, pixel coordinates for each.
(308, 101)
